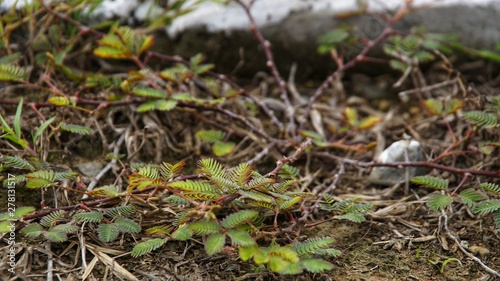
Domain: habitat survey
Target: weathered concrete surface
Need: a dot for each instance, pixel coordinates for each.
(293, 27)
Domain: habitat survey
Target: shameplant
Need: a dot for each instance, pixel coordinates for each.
(229, 205)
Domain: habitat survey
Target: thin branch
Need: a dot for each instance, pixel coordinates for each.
(266, 45)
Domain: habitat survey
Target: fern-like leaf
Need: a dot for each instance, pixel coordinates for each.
(107, 232)
(238, 218)
(432, 182)
(316, 265)
(11, 73)
(487, 206)
(159, 230)
(52, 218)
(94, 217)
(211, 167)
(351, 116)
(176, 200)
(210, 136)
(241, 174)
(203, 227)
(438, 201)
(283, 186)
(481, 119)
(310, 246)
(40, 179)
(127, 225)
(77, 129)
(149, 93)
(240, 238)
(221, 148)
(470, 196)
(214, 243)
(182, 233)
(16, 162)
(169, 171)
(434, 106)
(491, 187)
(190, 185)
(290, 203)
(65, 228)
(55, 236)
(288, 172)
(147, 247)
(452, 105)
(120, 211)
(32, 230)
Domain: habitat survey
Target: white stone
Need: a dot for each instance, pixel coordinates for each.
(397, 152)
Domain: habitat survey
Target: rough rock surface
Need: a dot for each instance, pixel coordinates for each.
(397, 152)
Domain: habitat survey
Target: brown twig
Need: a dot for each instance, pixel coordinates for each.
(266, 45)
(289, 159)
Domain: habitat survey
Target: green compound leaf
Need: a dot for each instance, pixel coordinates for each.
(283, 266)
(490, 187)
(149, 93)
(214, 243)
(32, 230)
(161, 105)
(108, 232)
(487, 207)
(210, 136)
(12, 73)
(433, 182)
(223, 148)
(77, 129)
(127, 225)
(182, 233)
(434, 106)
(94, 217)
(438, 201)
(496, 218)
(240, 238)
(470, 196)
(55, 236)
(481, 119)
(316, 265)
(247, 253)
(16, 162)
(147, 247)
(22, 211)
(65, 228)
(52, 218)
(120, 211)
(238, 218)
(203, 227)
(310, 246)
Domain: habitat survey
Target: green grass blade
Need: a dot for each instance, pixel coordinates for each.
(17, 119)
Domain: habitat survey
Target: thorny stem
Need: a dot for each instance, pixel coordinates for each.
(266, 45)
(303, 146)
